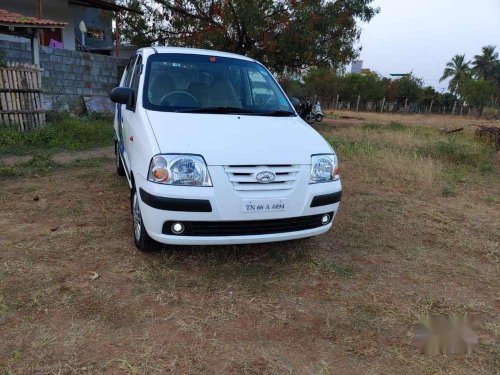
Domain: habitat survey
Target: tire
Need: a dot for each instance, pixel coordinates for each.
(120, 170)
(141, 237)
(310, 119)
(319, 118)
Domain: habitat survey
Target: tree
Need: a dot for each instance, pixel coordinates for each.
(477, 92)
(323, 82)
(283, 34)
(485, 65)
(458, 70)
(409, 87)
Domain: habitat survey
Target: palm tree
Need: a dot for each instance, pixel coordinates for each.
(484, 66)
(458, 70)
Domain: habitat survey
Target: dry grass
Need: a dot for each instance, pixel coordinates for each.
(417, 233)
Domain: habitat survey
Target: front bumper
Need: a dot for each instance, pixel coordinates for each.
(163, 203)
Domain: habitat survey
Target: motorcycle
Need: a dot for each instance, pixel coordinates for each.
(305, 110)
(317, 112)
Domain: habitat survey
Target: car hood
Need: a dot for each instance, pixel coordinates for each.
(237, 139)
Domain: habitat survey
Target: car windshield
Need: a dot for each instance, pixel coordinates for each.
(211, 84)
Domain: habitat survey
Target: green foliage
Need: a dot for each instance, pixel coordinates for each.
(477, 92)
(485, 66)
(323, 82)
(64, 132)
(408, 87)
(459, 151)
(369, 86)
(458, 70)
(285, 35)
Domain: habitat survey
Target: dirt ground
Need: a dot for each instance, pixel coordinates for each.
(76, 297)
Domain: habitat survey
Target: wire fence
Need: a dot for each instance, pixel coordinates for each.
(384, 106)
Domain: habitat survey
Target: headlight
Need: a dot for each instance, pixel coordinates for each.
(185, 170)
(324, 168)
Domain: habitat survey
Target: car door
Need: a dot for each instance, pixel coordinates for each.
(128, 112)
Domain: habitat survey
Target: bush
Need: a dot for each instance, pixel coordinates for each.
(491, 113)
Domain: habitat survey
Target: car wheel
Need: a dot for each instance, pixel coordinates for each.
(120, 170)
(141, 238)
(319, 118)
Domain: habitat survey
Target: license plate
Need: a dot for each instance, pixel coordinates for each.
(263, 205)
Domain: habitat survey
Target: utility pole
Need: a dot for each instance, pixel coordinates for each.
(117, 34)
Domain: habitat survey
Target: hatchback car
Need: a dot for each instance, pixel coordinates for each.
(215, 153)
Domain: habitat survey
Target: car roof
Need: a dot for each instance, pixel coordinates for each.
(194, 51)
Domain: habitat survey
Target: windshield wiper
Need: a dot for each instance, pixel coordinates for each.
(278, 113)
(216, 110)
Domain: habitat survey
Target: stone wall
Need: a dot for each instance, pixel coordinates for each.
(72, 80)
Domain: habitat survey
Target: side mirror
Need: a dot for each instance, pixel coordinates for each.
(296, 103)
(122, 95)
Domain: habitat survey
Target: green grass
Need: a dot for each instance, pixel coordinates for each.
(459, 150)
(63, 131)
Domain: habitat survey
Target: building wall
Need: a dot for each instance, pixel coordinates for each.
(70, 76)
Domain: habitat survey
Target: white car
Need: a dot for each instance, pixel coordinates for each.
(215, 153)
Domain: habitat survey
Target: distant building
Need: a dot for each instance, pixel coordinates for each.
(96, 15)
(357, 66)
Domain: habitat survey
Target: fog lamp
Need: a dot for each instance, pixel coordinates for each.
(325, 219)
(177, 228)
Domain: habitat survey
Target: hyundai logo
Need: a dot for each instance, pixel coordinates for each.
(265, 177)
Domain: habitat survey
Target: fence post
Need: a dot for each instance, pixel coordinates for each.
(454, 107)
(357, 103)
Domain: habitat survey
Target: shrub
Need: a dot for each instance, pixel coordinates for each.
(490, 113)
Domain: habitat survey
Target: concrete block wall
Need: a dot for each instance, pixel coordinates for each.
(70, 76)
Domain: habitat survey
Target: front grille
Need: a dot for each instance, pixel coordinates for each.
(244, 177)
(247, 228)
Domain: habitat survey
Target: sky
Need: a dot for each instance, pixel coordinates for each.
(423, 35)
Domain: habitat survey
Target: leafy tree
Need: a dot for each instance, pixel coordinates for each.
(283, 34)
(292, 87)
(477, 92)
(485, 65)
(409, 87)
(369, 86)
(323, 82)
(458, 70)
